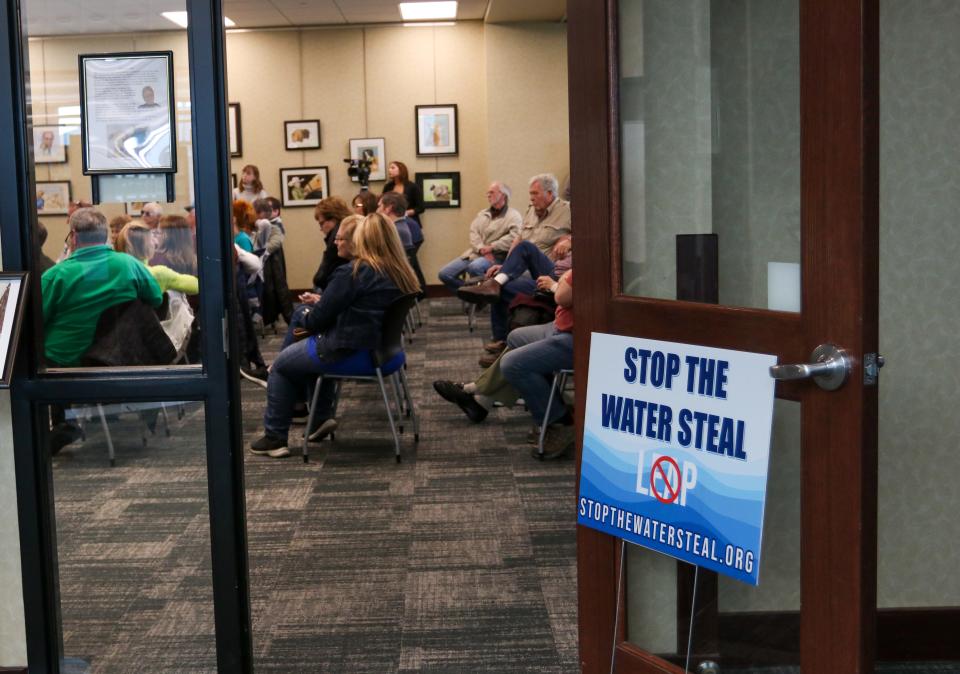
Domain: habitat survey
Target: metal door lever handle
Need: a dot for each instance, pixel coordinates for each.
(830, 368)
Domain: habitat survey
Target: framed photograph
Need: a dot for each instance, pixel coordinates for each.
(304, 186)
(13, 288)
(374, 150)
(440, 190)
(134, 208)
(127, 113)
(53, 197)
(48, 145)
(302, 134)
(233, 126)
(233, 180)
(437, 132)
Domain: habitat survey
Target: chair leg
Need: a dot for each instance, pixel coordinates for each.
(416, 308)
(411, 410)
(310, 417)
(546, 414)
(106, 433)
(166, 419)
(386, 404)
(397, 400)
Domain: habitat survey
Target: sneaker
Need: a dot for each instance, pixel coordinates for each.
(322, 430)
(454, 393)
(270, 445)
(557, 441)
(258, 375)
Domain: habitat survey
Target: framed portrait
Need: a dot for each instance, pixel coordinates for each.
(13, 288)
(302, 134)
(53, 197)
(127, 113)
(437, 132)
(304, 186)
(233, 180)
(374, 150)
(48, 145)
(233, 126)
(440, 190)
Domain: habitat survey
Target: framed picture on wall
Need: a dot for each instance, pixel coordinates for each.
(437, 132)
(440, 190)
(48, 145)
(233, 124)
(53, 197)
(127, 113)
(372, 150)
(304, 186)
(233, 180)
(134, 208)
(302, 134)
(13, 287)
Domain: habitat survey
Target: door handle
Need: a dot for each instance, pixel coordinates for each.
(829, 369)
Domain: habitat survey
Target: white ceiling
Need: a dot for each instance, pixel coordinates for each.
(71, 17)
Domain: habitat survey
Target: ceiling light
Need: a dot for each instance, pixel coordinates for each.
(428, 11)
(422, 24)
(180, 18)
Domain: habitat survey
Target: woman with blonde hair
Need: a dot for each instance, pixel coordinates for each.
(344, 325)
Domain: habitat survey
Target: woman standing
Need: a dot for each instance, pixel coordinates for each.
(344, 325)
(250, 188)
(398, 180)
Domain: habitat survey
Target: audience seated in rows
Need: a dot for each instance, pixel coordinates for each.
(491, 234)
(344, 325)
(525, 369)
(543, 241)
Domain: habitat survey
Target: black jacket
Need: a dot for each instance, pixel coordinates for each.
(329, 262)
(349, 315)
(129, 334)
(276, 294)
(413, 196)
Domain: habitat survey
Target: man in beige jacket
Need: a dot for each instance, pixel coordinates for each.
(491, 234)
(544, 240)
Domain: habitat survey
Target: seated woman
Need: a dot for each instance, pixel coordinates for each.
(137, 240)
(344, 324)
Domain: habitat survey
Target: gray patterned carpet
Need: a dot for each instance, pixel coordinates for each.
(460, 559)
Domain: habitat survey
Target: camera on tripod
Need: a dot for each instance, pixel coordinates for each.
(359, 169)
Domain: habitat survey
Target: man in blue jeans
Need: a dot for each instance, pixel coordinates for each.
(491, 234)
(544, 240)
(533, 354)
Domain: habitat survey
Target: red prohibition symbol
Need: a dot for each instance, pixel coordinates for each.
(670, 493)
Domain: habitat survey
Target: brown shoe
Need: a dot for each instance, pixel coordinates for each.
(487, 291)
(496, 346)
(557, 441)
(488, 359)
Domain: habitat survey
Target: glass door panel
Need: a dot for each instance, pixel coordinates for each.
(710, 144)
(918, 588)
(162, 229)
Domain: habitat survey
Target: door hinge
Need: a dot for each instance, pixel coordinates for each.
(872, 363)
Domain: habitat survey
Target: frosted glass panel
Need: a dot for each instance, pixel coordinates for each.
(710, 141)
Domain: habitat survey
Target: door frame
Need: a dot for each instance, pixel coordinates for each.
(217, 385)
(839, 85)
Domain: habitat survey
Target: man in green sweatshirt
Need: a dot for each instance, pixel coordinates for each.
(80, 288)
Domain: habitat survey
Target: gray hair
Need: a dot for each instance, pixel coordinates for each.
(89, 225)
(548, 183)
(505, 190)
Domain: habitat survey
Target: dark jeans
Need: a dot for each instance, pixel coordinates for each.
(535, 353)
(291, 379)
(525, 258)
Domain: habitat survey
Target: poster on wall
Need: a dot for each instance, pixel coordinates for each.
(303, 186)
(302, 134)
(437, 132)
(48, 145)
(234, 131)
(13, 286)
(372, 151)
(127, 113)
(440, 190)
(676, 448)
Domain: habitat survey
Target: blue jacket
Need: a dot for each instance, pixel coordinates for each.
(349, 315)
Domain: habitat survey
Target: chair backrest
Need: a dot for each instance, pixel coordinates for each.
(391, 336)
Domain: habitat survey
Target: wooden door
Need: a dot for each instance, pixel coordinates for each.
(837, 250)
